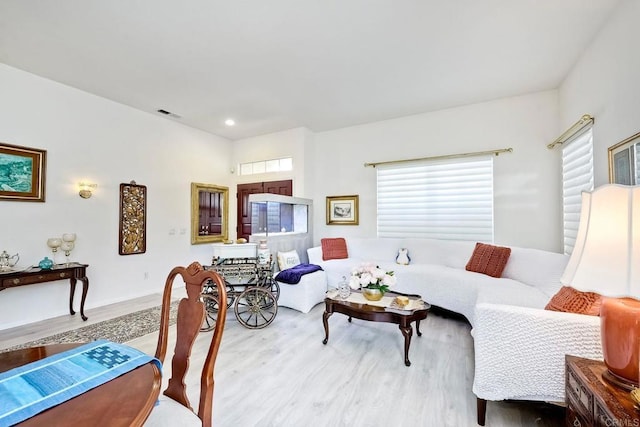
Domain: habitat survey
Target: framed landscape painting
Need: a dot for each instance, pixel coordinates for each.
(624, 161)
(342, 210)
(22, 173)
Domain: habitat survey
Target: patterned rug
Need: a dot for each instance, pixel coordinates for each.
(119, 329)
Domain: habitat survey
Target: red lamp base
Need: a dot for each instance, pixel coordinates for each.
(620, 332)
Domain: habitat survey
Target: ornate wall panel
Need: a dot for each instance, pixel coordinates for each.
(133, 219)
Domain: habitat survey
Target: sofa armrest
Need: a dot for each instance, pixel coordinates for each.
(520, 352)
(315, 255)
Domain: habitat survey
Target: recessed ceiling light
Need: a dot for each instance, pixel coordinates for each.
(229, 122)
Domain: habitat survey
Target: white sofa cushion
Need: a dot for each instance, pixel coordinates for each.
(511, 292)
(169, 413)
(444, 252)
(537, 268)
(338, 268)
(375, 250)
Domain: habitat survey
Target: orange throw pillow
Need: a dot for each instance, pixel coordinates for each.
(571, 300)
(335, 248)
(488, 259)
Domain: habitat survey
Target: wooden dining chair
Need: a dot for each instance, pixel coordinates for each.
(173, 407)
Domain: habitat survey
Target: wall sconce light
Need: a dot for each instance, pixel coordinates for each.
(85, 189)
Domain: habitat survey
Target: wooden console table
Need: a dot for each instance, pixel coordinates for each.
(72, 271)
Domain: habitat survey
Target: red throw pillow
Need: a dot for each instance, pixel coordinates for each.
(488, 259)
(571, 300)
(335, 248)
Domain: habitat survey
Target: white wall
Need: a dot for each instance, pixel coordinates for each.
(526, 182)
(606, 84)
(91, 138)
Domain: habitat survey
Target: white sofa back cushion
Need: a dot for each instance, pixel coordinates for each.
(422, 251)
(373, 249)
(537, 268)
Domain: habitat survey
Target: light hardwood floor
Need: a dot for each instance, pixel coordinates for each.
(284, 376)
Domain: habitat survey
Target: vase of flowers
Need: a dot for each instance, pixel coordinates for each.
(372, 280)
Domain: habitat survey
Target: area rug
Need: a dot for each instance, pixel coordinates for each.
(119, 329)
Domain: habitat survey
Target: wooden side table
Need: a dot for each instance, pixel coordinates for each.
(592, 401)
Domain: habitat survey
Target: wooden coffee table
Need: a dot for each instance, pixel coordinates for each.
(402, 318)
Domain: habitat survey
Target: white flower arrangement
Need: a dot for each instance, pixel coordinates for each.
(368, 275)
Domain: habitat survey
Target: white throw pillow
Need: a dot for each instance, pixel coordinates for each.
(288, 259)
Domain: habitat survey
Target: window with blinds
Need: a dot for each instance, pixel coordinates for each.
(577, 176)
(450, 199)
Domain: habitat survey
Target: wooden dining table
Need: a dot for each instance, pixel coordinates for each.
(124, 401)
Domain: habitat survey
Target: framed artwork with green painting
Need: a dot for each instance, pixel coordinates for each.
(22, 173)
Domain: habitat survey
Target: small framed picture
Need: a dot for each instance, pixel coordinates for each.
(624, 158)
(22, 173)
(342, 210)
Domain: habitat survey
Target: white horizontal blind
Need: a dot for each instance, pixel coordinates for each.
(577, 176)
(446, 199)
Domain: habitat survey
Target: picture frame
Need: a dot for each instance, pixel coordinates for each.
(22, 173)
(132, 230)
(624, 161)
(342, 210)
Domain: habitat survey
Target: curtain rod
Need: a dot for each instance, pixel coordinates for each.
(446, 156)
(584, 121)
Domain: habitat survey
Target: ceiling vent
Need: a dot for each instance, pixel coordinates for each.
(168, 113)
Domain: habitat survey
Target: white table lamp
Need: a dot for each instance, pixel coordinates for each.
(606, 260)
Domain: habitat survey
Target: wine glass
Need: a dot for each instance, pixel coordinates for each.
(54, 243)
(68, 244)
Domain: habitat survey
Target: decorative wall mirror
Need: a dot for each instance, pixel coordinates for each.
(209, 213)
(624, 161)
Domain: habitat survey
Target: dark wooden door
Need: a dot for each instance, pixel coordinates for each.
(284, 188)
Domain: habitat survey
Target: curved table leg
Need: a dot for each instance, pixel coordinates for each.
(85, 289)
(325, 321)
(418, 328)
(72, 281)
(407, 331)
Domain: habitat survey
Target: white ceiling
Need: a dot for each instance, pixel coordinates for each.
(278, 64)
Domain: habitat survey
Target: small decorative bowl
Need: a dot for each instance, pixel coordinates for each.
(402, 301)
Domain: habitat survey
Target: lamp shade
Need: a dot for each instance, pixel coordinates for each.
(606, 260)
(606, 256)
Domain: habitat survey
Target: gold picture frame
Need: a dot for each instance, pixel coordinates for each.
(22, 173)
(342, 210)
(624, 159)
(209, 213)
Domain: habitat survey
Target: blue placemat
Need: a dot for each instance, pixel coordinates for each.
(30, 389)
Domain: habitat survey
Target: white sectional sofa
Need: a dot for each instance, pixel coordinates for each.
(519, 346)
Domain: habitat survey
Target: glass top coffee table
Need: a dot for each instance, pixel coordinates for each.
(375, 311)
